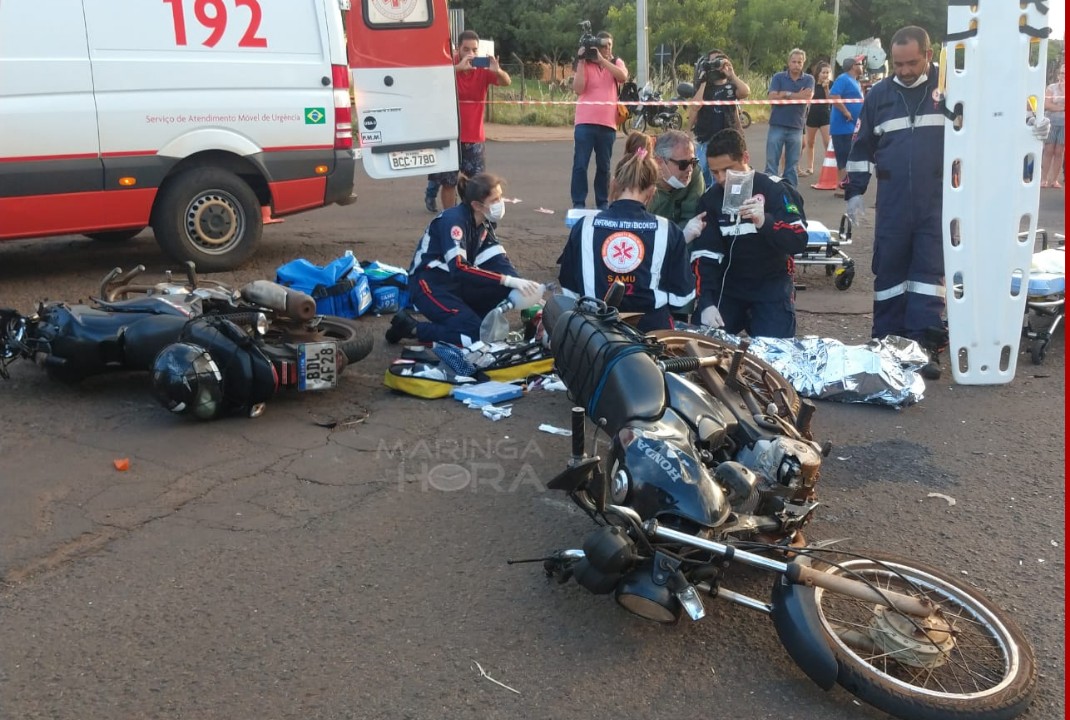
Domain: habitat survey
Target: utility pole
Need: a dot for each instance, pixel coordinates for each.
(835, 33)
(642, 44)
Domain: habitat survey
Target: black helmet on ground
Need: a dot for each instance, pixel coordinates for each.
(187, 381)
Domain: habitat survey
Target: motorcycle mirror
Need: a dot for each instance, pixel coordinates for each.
(615, 294)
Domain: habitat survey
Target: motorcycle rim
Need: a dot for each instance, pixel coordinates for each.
(767, 384)
(969, 661)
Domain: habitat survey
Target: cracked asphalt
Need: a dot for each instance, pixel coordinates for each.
(280, 568)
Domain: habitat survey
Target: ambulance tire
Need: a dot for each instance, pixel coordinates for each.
(209, 216)
(115, 236)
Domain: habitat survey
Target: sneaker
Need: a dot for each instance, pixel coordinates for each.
(402, 326)
(430, 204)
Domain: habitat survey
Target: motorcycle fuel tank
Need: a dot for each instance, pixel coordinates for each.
(664, 479)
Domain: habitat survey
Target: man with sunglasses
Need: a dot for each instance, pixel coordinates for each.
(680, 184)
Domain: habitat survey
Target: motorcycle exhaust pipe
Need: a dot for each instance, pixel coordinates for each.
(291, 303)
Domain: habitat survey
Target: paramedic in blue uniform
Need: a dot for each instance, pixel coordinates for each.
(901, 138)
(460, 271)
(626, 243)
(743, 261)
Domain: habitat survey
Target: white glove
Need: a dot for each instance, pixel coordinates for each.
(1041, 127)
(527, 287)
(753, 209)
(694, 227)
(522, 300)
(711, 317)
(856, 209)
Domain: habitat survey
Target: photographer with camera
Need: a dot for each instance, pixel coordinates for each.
(598, 74)
(715, 79)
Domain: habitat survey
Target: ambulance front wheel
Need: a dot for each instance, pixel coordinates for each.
(209, 216)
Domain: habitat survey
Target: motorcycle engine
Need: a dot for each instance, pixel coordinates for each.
(787, 467)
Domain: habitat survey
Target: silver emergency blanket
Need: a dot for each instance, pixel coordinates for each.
(881, 372)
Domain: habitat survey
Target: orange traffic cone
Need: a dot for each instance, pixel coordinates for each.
(265, 213)
(830, 176)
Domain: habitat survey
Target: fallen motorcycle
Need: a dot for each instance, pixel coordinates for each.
(711, 462)
(240, 346)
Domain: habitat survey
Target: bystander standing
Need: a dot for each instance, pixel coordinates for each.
(786, 121)
(595, 82)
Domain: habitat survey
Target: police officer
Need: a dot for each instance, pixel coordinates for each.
(626, 243)
(744, 260)
(460, 271)
(902, 133)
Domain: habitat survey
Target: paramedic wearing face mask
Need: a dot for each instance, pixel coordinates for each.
(460, 271)
(901, 139)
(680, 184)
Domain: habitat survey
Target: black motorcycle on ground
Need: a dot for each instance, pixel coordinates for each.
(212, 350)
(710, 462)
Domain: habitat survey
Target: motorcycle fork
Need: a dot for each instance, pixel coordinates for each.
(796, 573)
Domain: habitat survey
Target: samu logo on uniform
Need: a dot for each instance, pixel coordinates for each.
(623, 252)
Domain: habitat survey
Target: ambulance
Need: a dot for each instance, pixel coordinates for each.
(201, 118)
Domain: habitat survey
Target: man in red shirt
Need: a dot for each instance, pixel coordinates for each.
(472, 84)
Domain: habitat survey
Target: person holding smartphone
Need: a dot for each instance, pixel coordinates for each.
(474, 75)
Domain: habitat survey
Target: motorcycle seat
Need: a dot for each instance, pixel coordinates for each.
(153, 304)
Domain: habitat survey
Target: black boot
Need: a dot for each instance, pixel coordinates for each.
(931, 370)
(934, 343)
(402, 326)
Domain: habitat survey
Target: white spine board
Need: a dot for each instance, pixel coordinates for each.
(988, 209)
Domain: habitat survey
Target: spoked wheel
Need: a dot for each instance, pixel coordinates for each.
(967, 661)
(768, 385)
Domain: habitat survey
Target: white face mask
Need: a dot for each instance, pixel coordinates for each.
(675, 182)
(921, 79)
(496, 211)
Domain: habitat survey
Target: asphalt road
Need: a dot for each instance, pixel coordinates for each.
(274, 568)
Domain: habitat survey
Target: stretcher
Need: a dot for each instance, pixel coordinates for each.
(825, 247)
(1045, 294)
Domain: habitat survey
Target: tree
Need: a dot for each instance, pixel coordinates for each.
(683, 26)
(765, 31)
(861, 19)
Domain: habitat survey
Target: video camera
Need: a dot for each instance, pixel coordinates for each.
(589, 42)
(712, 68)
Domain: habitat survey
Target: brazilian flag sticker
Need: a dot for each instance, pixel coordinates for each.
(790, 206)
(315, 116)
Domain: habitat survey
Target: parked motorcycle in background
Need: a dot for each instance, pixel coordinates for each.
(655, 116)
(710, 461)
(212, 350)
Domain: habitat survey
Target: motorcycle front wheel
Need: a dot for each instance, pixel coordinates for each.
(969, 661)
(640, 122)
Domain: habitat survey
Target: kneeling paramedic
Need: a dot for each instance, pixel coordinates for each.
(743, 260)
(460, 271)
(626, 243)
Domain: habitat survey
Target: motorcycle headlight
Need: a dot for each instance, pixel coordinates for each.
(639, 594)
